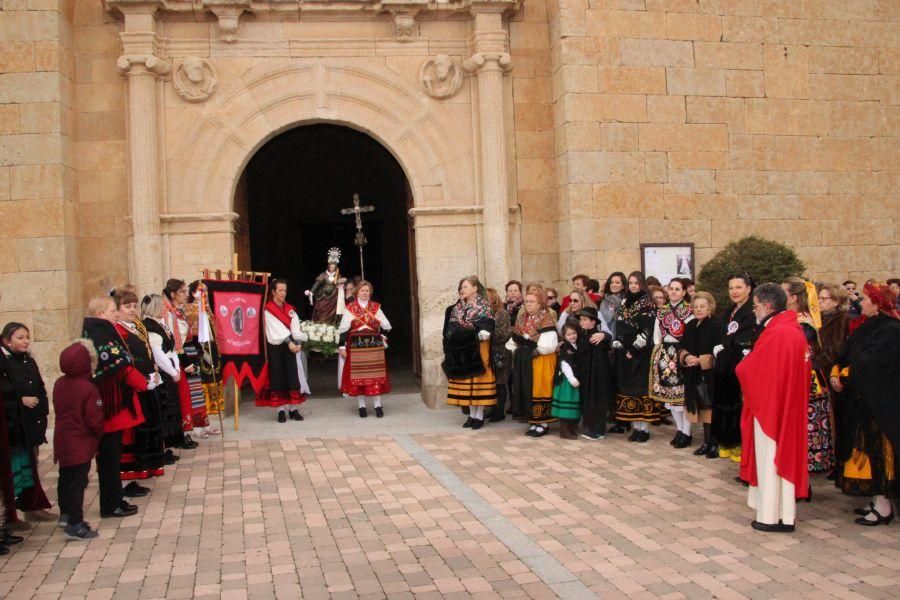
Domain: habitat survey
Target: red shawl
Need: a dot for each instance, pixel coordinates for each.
(283, 313)
(364, 317)
(775, 383)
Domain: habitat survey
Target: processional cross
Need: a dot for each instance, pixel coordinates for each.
(360, 240)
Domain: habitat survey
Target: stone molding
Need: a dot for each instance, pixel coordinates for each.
(146, 64)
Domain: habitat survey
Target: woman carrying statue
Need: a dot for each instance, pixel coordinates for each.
(327, 292)
(468, 325)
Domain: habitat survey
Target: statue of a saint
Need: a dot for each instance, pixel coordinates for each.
(327, 292)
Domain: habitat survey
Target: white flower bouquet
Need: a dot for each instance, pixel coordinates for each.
(322, 338)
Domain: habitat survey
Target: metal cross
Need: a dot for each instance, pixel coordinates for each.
(360, 239)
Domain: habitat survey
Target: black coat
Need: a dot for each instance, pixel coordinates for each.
(20, 377)
(700, 337)
(462, 353)
(873, 355)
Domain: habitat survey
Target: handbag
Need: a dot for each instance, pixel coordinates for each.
(704, 398)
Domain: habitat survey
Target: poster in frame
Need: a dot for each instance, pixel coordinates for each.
(667, 261)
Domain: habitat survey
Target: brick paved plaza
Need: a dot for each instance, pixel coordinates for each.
(413, 506)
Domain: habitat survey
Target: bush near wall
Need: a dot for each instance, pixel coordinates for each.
(764, 260)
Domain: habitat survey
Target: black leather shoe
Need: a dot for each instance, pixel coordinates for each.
(133, 490)
(497, 417)
(3, 550)
(644, 437)
(879, 519)
(362, 412)
(477, 423)
(635, 434)
(169, 458)
(188, 443)
(703, 449)
(778, 527)
(677, 439)
(468, 422)
(282, 416)
(860, 511)
(685, 441)
(120, 512)
(295, 415)
(9, 539)
(713, 451)
(617, 429)
(379, 412)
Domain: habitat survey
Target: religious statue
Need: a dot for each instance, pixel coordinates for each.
(195, 79)
(327, 292)
(440, 76)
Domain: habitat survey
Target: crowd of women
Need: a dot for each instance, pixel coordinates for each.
(634, 354)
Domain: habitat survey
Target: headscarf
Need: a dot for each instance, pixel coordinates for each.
(881, 295)
(812, 299)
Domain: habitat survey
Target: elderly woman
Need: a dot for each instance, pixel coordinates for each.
(577, 300)
(533, 344)
(868, 373)
(700, 337)
(803, 299)
(835, 303)
(468, 325)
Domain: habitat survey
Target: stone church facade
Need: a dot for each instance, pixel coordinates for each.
(539, 138)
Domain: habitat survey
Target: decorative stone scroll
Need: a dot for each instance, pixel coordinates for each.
(195, 79)
(440, 76)
(228, 14)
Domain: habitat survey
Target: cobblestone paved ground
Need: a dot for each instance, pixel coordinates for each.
(423, 509)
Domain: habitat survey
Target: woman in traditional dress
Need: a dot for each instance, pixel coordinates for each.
(609, 306)
(631, 360)
(142, 445)
(468, 325)
(189, 385)
(500, 356)
(737, 337)
(162, 346)
(26, 409)
(836, 320)
(566, 404)
(513, 302)
(700, 337)
(666, 383)
(327, 291)
(287, 385)
(534, 345)
(868, 373)
(578, 300)
(803, 299)
(363, 344)
(209, 361)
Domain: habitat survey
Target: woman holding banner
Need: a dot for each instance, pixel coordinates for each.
(287, 379)
(362, 344)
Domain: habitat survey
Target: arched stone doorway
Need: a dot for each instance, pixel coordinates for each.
(289, 199)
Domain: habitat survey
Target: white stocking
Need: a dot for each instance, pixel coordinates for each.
(641, 426)
(477, 412)
(362, 401)
(376, 401)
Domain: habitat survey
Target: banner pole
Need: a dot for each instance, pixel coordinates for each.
(212, 361)
(237, 389)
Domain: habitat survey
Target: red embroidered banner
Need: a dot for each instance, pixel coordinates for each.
(237, 308)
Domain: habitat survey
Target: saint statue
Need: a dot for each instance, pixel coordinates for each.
(327, 292)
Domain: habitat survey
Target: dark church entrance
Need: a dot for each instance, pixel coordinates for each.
(292, 193)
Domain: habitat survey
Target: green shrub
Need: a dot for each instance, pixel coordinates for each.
(764, 260)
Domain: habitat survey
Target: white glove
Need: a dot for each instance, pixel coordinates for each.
(640, 341)
(617, 345)
(511, 345)
(717, 349)
(484, 335)
(746, 352)
(153, 381)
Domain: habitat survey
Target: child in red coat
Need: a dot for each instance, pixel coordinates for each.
(76, 434)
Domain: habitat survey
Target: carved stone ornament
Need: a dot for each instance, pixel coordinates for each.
(195, 79)
(228, 14)
(440, 76)
(404, 26)
(477, 61)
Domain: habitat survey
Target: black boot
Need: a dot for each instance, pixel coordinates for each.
(362, 412)
(379, 412)
(282, 416)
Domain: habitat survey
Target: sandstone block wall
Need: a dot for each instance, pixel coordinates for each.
(706, 120)
(40, 268)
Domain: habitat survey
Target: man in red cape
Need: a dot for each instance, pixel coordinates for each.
(775, 384)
